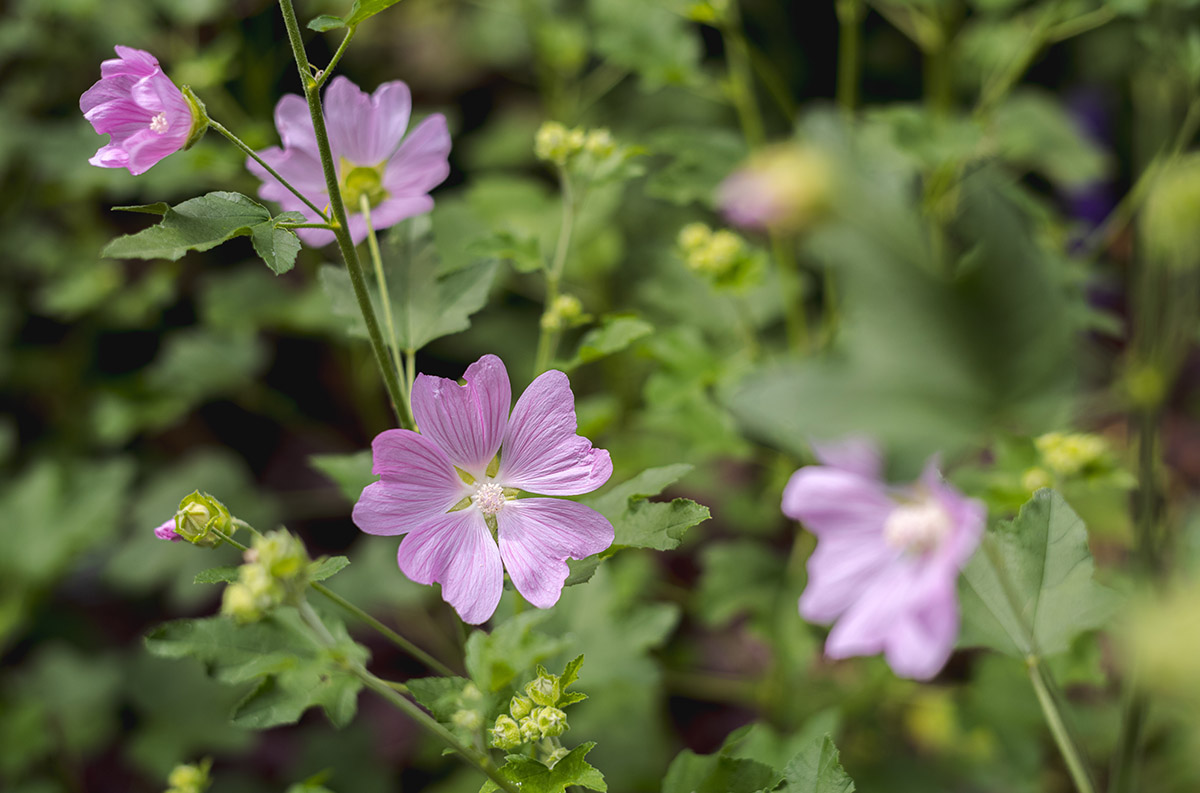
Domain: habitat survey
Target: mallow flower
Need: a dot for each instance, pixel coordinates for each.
(166, 531)
(371, 154)
(146, 116)
(887, 558)
(455, 489)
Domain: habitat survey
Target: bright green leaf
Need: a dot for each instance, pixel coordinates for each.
(717, 773)
(816, 769)
(351, 472)
(532, 776)
(217, 575)
(615, 334)
(326, 22)
(494, 660)
(639, 523)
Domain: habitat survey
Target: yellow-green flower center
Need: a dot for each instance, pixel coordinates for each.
(362, 180)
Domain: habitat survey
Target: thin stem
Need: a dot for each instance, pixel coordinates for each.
(325, 226)
(323, 76)
(1122, 773)
(341, 225)
(1081, 24)
(1058, 728)
(850, 18)
(385, 689)
(401, 642)
(548, 335)
(252, 154)
(364, 205)
(791, 288)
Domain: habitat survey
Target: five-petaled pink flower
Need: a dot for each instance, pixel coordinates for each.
(371, 154)
(887, 559)
(459, 508)
(146, 115)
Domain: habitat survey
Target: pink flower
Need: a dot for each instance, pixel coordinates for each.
(146, 115)
(460, 509)
(370, 152)
(783, 188)
(166, 531)
(887, 559)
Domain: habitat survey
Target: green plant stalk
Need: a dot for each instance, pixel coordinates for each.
(325, 73)
(1058, 728)
(395, 638)
(338, 210)
(384, 689)
(547, 336)
(377, 260)
(850, 19)
(325, 226)
(252, 154)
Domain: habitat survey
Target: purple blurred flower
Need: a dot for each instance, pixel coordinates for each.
(146, 115)
(167, 531)
(887, 559)
(454, 521)
(372, 156)
(784, 187)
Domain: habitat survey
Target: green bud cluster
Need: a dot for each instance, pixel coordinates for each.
(199, 517)
(190, 778)
(557, 144)
(538, 713)
(721, 256)
(275, 572)
(565, 312)
(591, 155)
(469, 716)
(1069, 454)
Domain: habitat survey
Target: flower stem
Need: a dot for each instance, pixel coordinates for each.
(547, 335)
(377, 260)
(341, 225)
(1039, 676)
(395, 638)
(249, 152)
(850, 18)
(337, 56)
(385, 689)
(325, 226)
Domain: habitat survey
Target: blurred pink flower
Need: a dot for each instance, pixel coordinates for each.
(134, 102)
(167, 531)
(887, 559)
(370, 152)
(462, 528)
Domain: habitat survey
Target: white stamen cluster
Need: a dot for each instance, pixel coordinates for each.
(918, 527)
(489, 498)
(159, 124)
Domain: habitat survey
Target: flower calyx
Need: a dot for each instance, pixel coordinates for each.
(199, 118)
(199, 519)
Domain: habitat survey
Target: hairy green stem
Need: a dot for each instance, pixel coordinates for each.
(548, 335)
(338, 210)
(385, 689)
(1039, 676)
(252, 154)
(850, 19)
(377, 261)
(325, 226)
(325, 73)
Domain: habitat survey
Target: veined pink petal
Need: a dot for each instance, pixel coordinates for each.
(294, 122)
(919, 643)
(857, 455)
(129, 61)
(420, 164)
(166, 531)
(863, 628)
(366, 129)
(538, 535)
(468, 421)
(541, 452)
(839, 571)
(457, 551)
(418, 483)
(830, 500)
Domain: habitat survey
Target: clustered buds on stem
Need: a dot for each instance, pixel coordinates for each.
(724, 258)
(190, 778)
(538, 714)
(275, 573)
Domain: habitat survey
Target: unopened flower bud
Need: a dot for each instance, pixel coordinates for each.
(189, 778)
(520, 707)
(280, 554)
(543, 690)
(555, 143)
(529, 730)
(199, 517)
(565, 311)
(467, 719)
(693, 237)
(506, 734)
(166, 531)
(784, 187)
(550, 721)
(599, 143)
(240, 603)
(1069, 454)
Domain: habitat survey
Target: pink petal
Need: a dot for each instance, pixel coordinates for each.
(418, 484)
(863, 629)
(538, 535)
(457, 551)
(968, 516)
(420, 164)
(467, 422)
(857, 455)
(839, 571)
(542, 453)
(294, 122)
(366, 130)
(166, 531)
(919, 644)
(833, 501)
(129, 61)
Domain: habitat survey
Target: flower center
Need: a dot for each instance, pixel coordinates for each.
(919, 527)
(489, 498)
(360, 181)
(159, 123)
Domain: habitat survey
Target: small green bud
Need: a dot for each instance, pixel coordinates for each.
(1036, 479)
(555, 755)
(1067, 454)
(557, 144)
(281, 555)
(566, 311)
(520, 707)
(693, 237)
(550, 721)
(543, 690)
(190, 778)
(240, 603)
(198, 516)
(599, 143)
(471, 693)
(506, 734)
(467, 719)
(529, 730)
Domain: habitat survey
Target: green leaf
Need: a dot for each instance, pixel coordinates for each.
(291, 671)
(426, 304)
(717, 773)
(532, 776)
(199, 224)
(217, 575)
(1034, 130)
(646, 37)
(495, 660)
(816, 769)
(615, 334)
(701, 158)
(351, 472)
(1050, 598)
(739, 577)
(365, 9)
(327, 567)
(438, 695)
(639, 523)
(326, 22)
